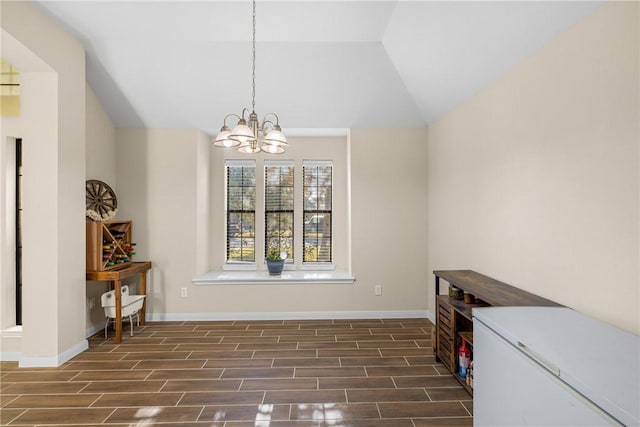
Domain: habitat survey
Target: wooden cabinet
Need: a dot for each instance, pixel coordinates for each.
(445, 332)
(109, 245)
(454, 321)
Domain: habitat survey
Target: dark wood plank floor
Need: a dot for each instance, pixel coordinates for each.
(357, 373)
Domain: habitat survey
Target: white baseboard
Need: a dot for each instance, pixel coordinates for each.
(400, 314)
(431, 317)
(9, 356)
(94, 329)
(53, 361)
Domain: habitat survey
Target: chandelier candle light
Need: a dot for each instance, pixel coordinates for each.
(254, 136)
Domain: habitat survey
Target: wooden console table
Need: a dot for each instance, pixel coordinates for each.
(116, 277)
(454, 319)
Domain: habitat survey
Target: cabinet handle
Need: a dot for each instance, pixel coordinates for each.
(541, 360)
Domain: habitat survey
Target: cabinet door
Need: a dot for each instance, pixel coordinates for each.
(510, 389)
(445, 334)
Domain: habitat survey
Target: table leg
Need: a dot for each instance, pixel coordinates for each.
(117, 287)
(143, 291)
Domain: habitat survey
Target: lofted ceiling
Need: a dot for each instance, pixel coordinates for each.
(320, 64)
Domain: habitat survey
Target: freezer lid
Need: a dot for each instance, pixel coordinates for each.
(596, 359)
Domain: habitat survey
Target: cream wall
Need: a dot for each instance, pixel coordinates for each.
(100, 142)
(10, 130)
(53, 132)
(166, 180)
(100, 165)
(535, 180)
(203, 196)
(389, 227)
(158, 175)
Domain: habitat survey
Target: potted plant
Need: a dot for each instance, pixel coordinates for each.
(275, 257)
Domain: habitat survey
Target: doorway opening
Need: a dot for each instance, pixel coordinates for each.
(18, 231)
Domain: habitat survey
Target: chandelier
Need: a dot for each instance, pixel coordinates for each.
(253, 136)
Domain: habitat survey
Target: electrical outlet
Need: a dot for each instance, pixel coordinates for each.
(183, 292)
(378, 290)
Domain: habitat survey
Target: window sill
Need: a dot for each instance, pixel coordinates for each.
(263, 278)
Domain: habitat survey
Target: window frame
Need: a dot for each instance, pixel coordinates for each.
(318, 265)
(259, 265)
(239, 264)
(279, 163)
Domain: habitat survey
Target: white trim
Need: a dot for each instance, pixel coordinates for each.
(10, 356)
(278, 163)
(263, 278)
(53, 361)
(12, 332)
(312, 315)
(317, 266)
(94, 329)
(319, 163)
(239, 266)
(239, 162)
(431, 316)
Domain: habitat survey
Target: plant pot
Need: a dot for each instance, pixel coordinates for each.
(275, 266)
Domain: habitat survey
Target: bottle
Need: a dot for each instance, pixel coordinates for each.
(463, 359)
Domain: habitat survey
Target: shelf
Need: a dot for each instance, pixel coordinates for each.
(109, 245)
(461, 307)
(492, 291)
(463, 382)
(468, 337)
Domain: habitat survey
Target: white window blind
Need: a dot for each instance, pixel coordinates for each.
(317, 211)
(241, 210)
(279, 207)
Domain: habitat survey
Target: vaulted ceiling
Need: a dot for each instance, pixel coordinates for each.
(320, 64)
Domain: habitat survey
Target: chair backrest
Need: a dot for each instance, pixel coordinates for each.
(108, 299)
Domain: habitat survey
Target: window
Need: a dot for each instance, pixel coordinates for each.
(278, 210)
(317, 194)
(270, 206)
(241, 211)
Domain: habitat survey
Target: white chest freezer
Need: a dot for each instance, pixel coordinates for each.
(552, 366)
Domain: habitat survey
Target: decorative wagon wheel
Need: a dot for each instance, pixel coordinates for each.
(100, 198)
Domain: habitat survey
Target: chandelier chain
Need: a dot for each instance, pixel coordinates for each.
(253, 71)
(251, 136)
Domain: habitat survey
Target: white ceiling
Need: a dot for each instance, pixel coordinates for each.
(320, 64)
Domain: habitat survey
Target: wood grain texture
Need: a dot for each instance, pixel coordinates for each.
(158, 378)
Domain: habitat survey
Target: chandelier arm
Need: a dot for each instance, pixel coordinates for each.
(274, 115)
(266, 122)
(230, 115)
